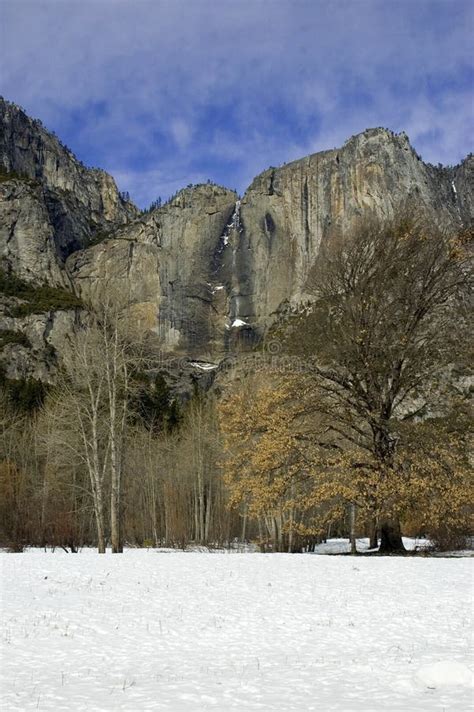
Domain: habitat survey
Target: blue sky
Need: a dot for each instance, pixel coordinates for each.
(162, 93)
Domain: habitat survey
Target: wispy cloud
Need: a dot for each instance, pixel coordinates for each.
(167, 92)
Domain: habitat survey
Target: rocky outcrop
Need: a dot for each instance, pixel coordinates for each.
(167, 261)
(287, 212)
(37, 343)
(226, 267)
(50, 206)
(462, 186)
(208, 272)
(27, 245)
(80, 201)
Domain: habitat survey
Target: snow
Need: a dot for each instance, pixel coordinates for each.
(239, 322)
(233, 225)
(445, 673)
(453, 186)
(204, 366)
(342, 546)
(187, 632)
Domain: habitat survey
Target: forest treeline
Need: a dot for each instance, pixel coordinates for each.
(358, 423)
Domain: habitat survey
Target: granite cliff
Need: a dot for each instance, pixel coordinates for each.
(80, 202)
(208, 270)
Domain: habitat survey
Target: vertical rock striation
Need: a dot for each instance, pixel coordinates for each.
(207, 271)
(80, 201)
(167, 262)
(288, 211)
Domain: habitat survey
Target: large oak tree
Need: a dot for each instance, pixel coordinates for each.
(388, 317)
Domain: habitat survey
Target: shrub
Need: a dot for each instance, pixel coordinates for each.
(13, 507)
(37, 299)
(14, 337)
(98, 237)
(153, 403)
(445, 538)
(25, 394)
(6, 176)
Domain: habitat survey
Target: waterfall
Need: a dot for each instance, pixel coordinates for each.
(233, 229)
(233, 226)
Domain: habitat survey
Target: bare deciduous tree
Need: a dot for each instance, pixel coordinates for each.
(93, 396)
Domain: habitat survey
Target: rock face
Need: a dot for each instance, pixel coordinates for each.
(80, 201)
(207, 271)
(26, 234)
(44, 336)
(287, 212)
(168, 262)
(50, 206)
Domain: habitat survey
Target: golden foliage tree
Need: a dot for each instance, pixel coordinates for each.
(268, 463)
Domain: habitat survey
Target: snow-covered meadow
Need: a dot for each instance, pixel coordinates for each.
(153, 630)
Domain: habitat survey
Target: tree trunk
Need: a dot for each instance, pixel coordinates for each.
(115, 538)
(166, 518)
(290, 536)
(353, 533)
(384, 448)
(391, 537)
(244, 524)
(99, 519)
(116, 483)
(373, 539)
(196, 514)
(260, 535)
(207, 519)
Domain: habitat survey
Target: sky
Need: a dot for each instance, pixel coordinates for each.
(163, 93)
